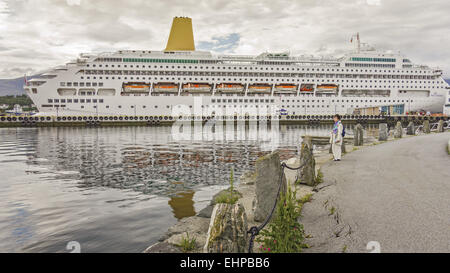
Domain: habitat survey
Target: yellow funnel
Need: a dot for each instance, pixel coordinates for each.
(181, 36)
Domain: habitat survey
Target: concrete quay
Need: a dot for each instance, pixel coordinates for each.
(392, 197)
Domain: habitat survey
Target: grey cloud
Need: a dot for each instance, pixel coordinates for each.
(41, 33)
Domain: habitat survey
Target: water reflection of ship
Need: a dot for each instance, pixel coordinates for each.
(135, 158)
(182, 204)
(145, 158)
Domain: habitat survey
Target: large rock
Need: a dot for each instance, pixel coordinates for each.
(195, 226)
(383, 132)
(426, 126)
(440, 127)
(227, 231)
(248, 178)
(398, 131)
(358, 133)
(307, 174)
(268, 173)
(411, 129)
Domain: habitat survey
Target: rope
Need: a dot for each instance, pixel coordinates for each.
(254, 231)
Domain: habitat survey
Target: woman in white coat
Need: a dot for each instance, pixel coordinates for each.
(336, 138)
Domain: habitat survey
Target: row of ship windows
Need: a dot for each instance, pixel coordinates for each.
(265, 68)
(359, 59)
(81, 84)
(169, 106)
(75, 101)
(218, 106)
(252, 74)
(226, 100)
(293, 101)
(372, 65)
(332, 101)
(69, 84)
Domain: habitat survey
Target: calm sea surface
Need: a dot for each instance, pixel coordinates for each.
(114, 189)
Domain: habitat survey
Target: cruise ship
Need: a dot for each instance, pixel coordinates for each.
(154, 83)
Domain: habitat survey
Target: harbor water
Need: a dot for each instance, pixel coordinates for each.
(115, 189)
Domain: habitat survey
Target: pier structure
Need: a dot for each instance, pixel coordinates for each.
(116, 120)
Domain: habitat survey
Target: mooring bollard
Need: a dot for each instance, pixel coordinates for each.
(398, 131)
(358, 133)
(307, 174)
(410, 129)
(426, 126)
(383, 132)
(440, 127)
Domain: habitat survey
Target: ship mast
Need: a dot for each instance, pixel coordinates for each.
(358, 43)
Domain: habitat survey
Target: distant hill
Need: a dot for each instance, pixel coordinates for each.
(12, 86)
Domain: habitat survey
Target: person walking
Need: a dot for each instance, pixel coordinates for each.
(336, 138)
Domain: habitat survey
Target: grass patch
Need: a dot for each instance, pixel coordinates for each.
(231, 196)
(227, 198)
(332, 210)
(284, 233)
(305, 199)
(319, 177)
(188, 243)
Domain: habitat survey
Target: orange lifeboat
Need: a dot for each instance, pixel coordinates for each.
(166, 88)
(327, 88)
(260, 88)
(230, 87)
(286, 88)
(306, 88)
(136, 88)
(197, 87)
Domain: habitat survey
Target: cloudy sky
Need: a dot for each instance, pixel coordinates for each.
(38, 34)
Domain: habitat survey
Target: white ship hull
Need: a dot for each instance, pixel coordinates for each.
(165, 104)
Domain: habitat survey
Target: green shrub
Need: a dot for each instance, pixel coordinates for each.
(188, 244)
(284, 233)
